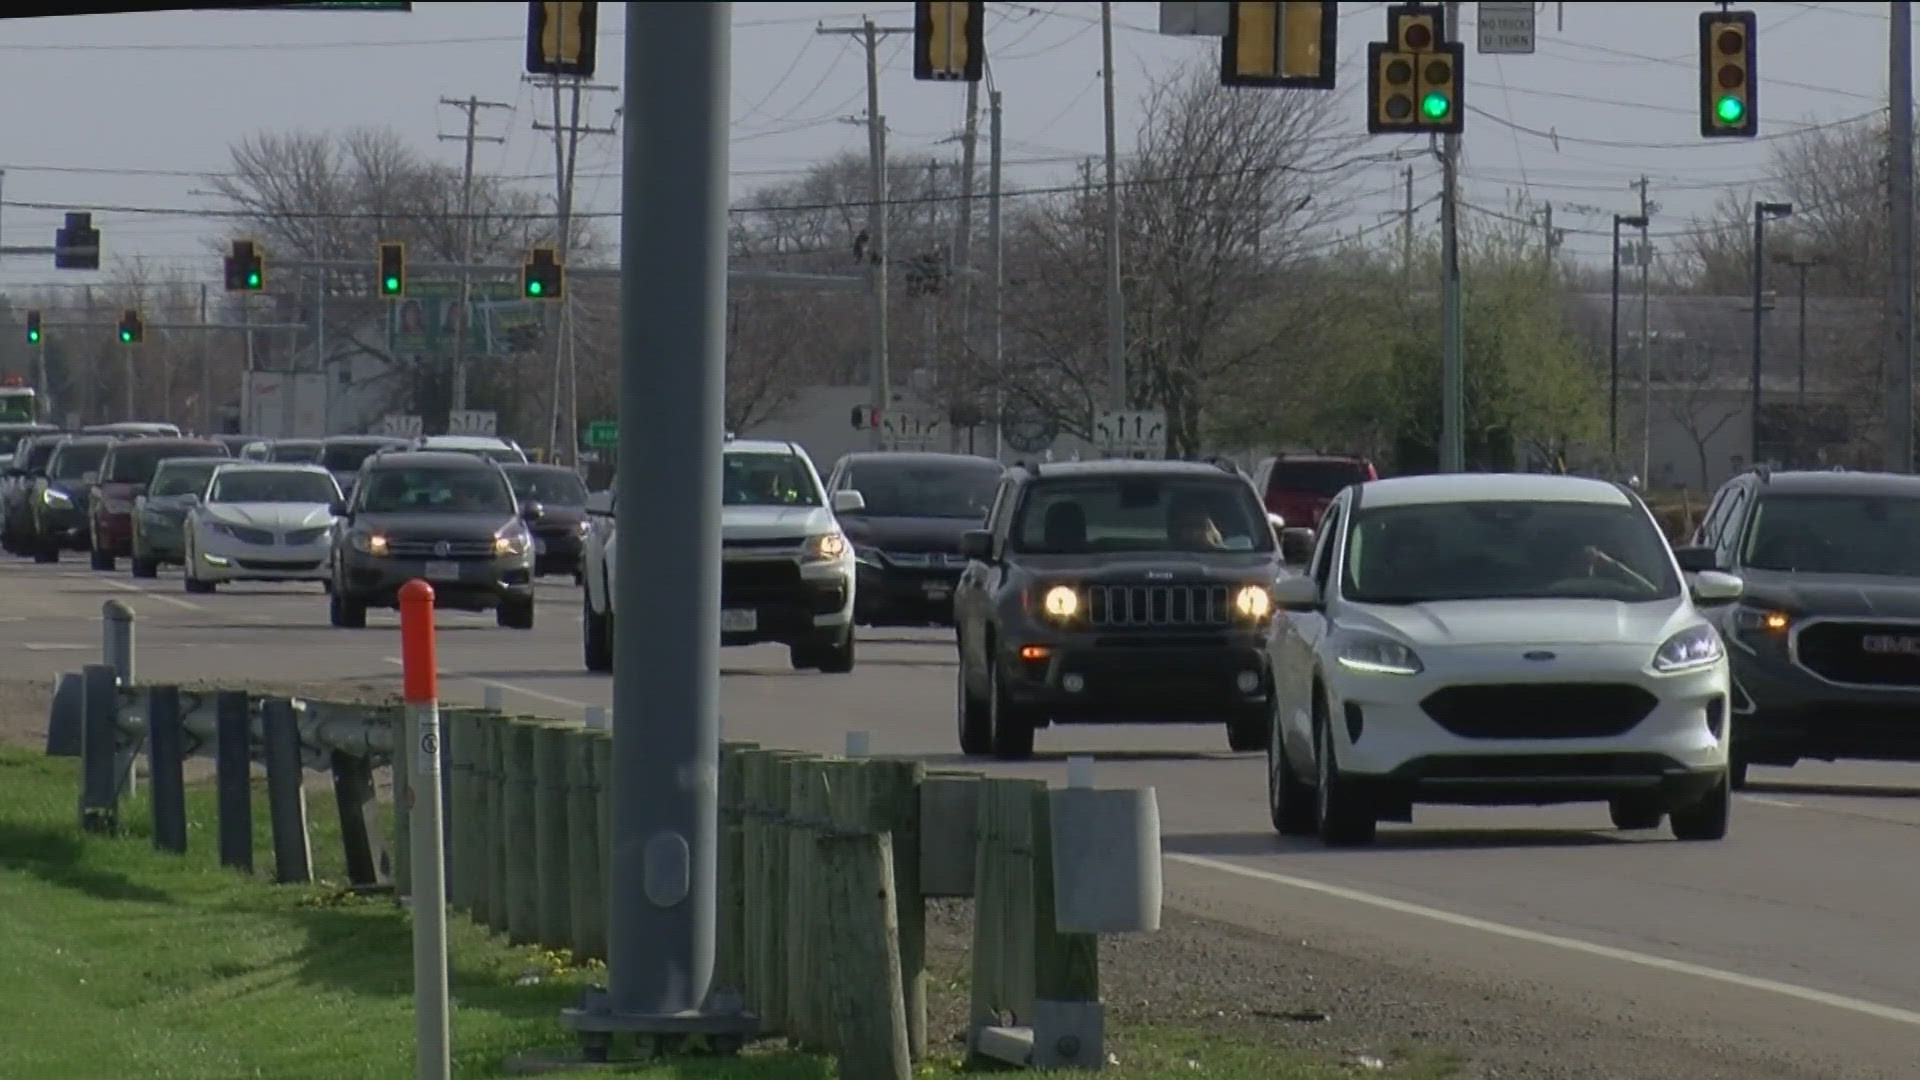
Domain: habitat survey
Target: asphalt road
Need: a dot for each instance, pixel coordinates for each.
(1796, 935)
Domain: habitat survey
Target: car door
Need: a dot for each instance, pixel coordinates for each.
(1304, 631)
(972, 594)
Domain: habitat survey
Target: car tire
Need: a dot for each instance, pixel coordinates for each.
(837, 659)
(596, 636)
(972, 716)
(1343, 816)
(514, 613)
(1248, 732)
(101, 560)
(1707, 818)
(1289, 801)
(346, 612)
(1632, 814)
(143, 568)
(47, 552)
(1012, 725)
(1737, 774)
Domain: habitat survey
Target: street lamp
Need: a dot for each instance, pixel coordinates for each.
(1761, 212)
(1802, 263)
(1637, 221)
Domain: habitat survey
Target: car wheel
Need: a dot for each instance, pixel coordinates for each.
(1633, 814)
(1737, 774)
(514, 613)
(837, 659)
(143, 568)
(48, 551)
(973, 716)
(596, 636)
(1012, 725)
(346, 612)
(1344, 816)
(1707, 818)
(192, 580)
(1290, 803)
(101, 560)
(1248, 732)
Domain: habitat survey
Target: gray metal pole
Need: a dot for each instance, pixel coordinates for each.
(996, 230)
(1802, 265)
(1900, 448)
(1613, 359)
(1646, 338)
(1116, 312)
(1753, 388)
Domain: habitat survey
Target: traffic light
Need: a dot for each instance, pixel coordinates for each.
(542, 277)
(1728, 95)
(393, 268)
(561, 38)
(1290, 43)
(246, 269)
(1414, 84)
(949, 40)
(76, 244)
(132, 330)
(33, 328)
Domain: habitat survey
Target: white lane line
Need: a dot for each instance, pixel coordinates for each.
(53, 646)
(510, 688)
(1628, 956)
(1772, 802)
(126, 586)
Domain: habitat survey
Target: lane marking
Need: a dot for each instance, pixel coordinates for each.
(510, 688)
(126, 586)
(1763, 801)
(52, 646)
(1628, 956)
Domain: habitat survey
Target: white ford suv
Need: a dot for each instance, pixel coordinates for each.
(1480, 639)
(786, 572)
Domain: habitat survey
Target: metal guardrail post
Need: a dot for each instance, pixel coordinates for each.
(233, 777)
(286, 793)
(166, 754)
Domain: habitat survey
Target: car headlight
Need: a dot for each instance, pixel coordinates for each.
(1253, 602)
(56, 499)
(511, 542)
(368, 543)
(1691, 649)
(1763, 620)
(826, 547)
(1378, 656)
(584, 528)
(1061, 602)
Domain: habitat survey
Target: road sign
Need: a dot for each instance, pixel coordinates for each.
(904, 429)
(603, 434)
(399, 426)
(1194, 20)
(1505, 27)
(473, 422)
(426, 321)
(1131, 432)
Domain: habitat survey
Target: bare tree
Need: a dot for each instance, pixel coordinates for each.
(771, 334)
(1698, 399)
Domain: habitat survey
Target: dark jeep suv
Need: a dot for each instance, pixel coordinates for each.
(1116, 592)
(449, 518)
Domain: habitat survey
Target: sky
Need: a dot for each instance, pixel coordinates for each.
(127, 115)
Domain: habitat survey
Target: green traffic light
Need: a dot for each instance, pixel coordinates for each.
(253, 280)
(391, 285)
(126, 337)
(33, 337)
(534, 288)
(1729, 109)
(1435, 106)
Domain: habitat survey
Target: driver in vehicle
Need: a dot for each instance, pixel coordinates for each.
(1190, 525)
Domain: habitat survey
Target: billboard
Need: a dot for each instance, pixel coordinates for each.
(426, 321)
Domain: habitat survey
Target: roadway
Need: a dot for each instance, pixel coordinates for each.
(1793, 938)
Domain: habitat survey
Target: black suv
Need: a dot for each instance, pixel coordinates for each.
(1116, 591)
(1826, 636)
(448, 518)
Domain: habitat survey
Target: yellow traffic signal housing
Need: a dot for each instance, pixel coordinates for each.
(561, 38)
(949, 41)
(1390, 90)
(1415, 28)
(1290, 43)
(132, 330)
(1729, 106)
(542, 277)
(1416, 81)
(33, 328)
(393, 269)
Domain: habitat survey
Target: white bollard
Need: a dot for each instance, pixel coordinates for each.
(859, 745)
(596, 716)
(1080, 772)
(494, 699)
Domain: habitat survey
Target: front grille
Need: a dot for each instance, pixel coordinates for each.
(933, 559)
(305, 536)
(762, 543)
(272, 565)
(1157, 605)
(1539, 710)
(759, 582)
(428, 549)
(250, 536)
(1864, 653)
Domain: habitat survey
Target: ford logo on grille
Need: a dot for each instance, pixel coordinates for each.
(442, 548)
(1537, 654)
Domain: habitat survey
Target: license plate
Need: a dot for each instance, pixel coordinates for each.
(739, 621)
(936, 590)
(443, 571)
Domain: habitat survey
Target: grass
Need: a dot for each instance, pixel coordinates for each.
(116, 960)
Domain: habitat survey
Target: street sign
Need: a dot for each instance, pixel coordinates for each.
(1194, 20)
(603, 434)
(427, 320)
(1506, 27)
(473, 422)
(399, 426)
(904, 429)
(1131, 432)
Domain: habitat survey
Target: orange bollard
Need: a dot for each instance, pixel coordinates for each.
(420, 677)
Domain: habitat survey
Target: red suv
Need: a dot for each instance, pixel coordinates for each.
(124, 477)
(1298, 487)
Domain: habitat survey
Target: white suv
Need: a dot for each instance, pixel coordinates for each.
(504, 451)
(786, 572)
(1477, 639)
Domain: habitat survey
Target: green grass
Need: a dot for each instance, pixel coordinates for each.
(116, 960)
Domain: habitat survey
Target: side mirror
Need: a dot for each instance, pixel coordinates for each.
(532, 511)
(1279, 523)
(1694, 560)
(977, 544)
(190, 499)
(338, 507)
(1297, 594)
(1713, 588)
(848, 501)
(1296, 546)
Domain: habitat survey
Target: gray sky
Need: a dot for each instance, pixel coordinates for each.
(132, 111)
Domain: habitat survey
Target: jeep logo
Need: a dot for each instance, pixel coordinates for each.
(1891, 644)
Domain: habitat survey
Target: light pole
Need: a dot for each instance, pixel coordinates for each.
(1802, 264)
(1613, 345)
(1761, 212)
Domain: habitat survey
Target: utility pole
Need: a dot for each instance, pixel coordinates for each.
(1546, 248)
(471, 106)
(875, 249)
(1116, 317)
(206, 369)
(998, 241)
(1452, 336)
(1646, 336)
(566, 153)
(963, 243)
(1406, 236)
(1900, 449)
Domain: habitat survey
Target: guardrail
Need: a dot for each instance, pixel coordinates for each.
(826, 863)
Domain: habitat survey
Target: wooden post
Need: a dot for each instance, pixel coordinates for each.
(892, 788)
(523, 837)
(585, 844)
(477, 808)
(862, 952)
(552, 883)
(499, 883)
(805, 812)
(767, 899)
(729, 968)
(466, 855)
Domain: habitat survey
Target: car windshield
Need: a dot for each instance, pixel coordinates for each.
(75, 461)
(768, 480)
(348, 457)
(133, 462)
(1506, 550)
(175, 478)
(272, 486)
(957, 489)
(1320, 479)
(1836, 534)
(295, 453)
(550, 487)
(38, 454)
(429, 490)
(1140, 513)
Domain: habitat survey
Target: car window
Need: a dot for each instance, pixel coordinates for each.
(427, 489)
(1320, 479)
(134, 462)
(1728, 531)
(1325, 545)
(1507, 549)
(302, 453)
(183, 477)
(1710, 521)
(1835, 534)
(272, 486)
(756, 479)
(551, 487)
(927, 490)
(73, 462)
(1140, 513)
(347, 457)
(38, 455)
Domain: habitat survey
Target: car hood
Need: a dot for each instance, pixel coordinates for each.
(270, 515)
(441, 525)
(1524, 622)
(1106, 567)
(914, 534)
(560, 519)
(773, 522)
(1834, 595)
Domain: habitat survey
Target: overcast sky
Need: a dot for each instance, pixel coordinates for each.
(129, 113)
